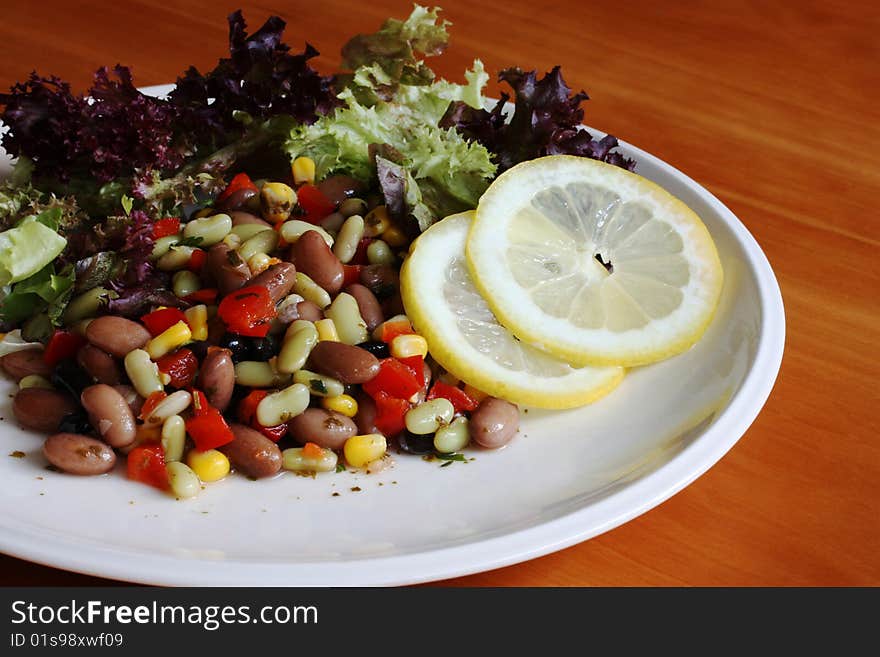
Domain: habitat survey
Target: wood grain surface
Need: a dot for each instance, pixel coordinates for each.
(773, 106)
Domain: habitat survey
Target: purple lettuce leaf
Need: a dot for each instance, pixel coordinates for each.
(124, 135)
(259, 79)
(545, 121)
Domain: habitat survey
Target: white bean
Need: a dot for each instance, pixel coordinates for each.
(184, 482)
(429, 416)
(211, 229)
(281, 406)
(346, 315)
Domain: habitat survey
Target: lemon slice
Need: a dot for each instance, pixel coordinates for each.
(593, 263)
(466, 339)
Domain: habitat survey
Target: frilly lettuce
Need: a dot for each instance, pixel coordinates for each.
(457, 171)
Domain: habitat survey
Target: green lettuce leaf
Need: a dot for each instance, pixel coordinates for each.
(390, 56)
(457, 171)
(30, 246)
(43, 292)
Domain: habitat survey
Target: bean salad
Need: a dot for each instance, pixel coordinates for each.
(289, 350)
(208, 281)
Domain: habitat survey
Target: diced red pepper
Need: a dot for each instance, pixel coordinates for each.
(146, 464)
(247, 311)
(314, 204)
(62, 345)
(247, 407)
(238, 182)
(351, 274)
(181, 366)
(207, 427)
(200, 402)
(390, 330)
(274, 434)
(207, 295)
(394, 379)
(165, 227)
(461, 401)
(151, 402)
(197, 260)
(360, 253)
(416, 366)
(390, 414)
(162, 319)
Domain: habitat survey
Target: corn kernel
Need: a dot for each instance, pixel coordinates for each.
(303, 170)
(197, 318)
(404, 346)
(376, 222)
(343, 404)
(169, 340)
(210, 465)
(394, 237)
(278, 200)
(364, 449)
(327, 330)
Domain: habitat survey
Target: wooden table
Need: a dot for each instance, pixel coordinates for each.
(774, 107)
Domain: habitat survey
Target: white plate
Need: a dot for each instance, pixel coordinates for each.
(567, 477)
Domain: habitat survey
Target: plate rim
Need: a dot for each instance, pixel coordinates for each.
(613, 510)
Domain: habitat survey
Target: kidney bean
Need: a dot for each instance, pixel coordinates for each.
(325, 428)
(393, 305)
(381, 280)
(344, 362)
(41, 409)
(338, 188)
(132, 398)
(116, 335)
(109, 414)
(365, 417)
(238, 199)
(310, 311)
(252, 453)
(333, 222)
(217, 377)
(100, 365)
(240, 217)
(494, 423)
(226, 268)
(314, 258)
(22, 363)
(277, 279)
(79, 455)
(216, 331)
(371, 311)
